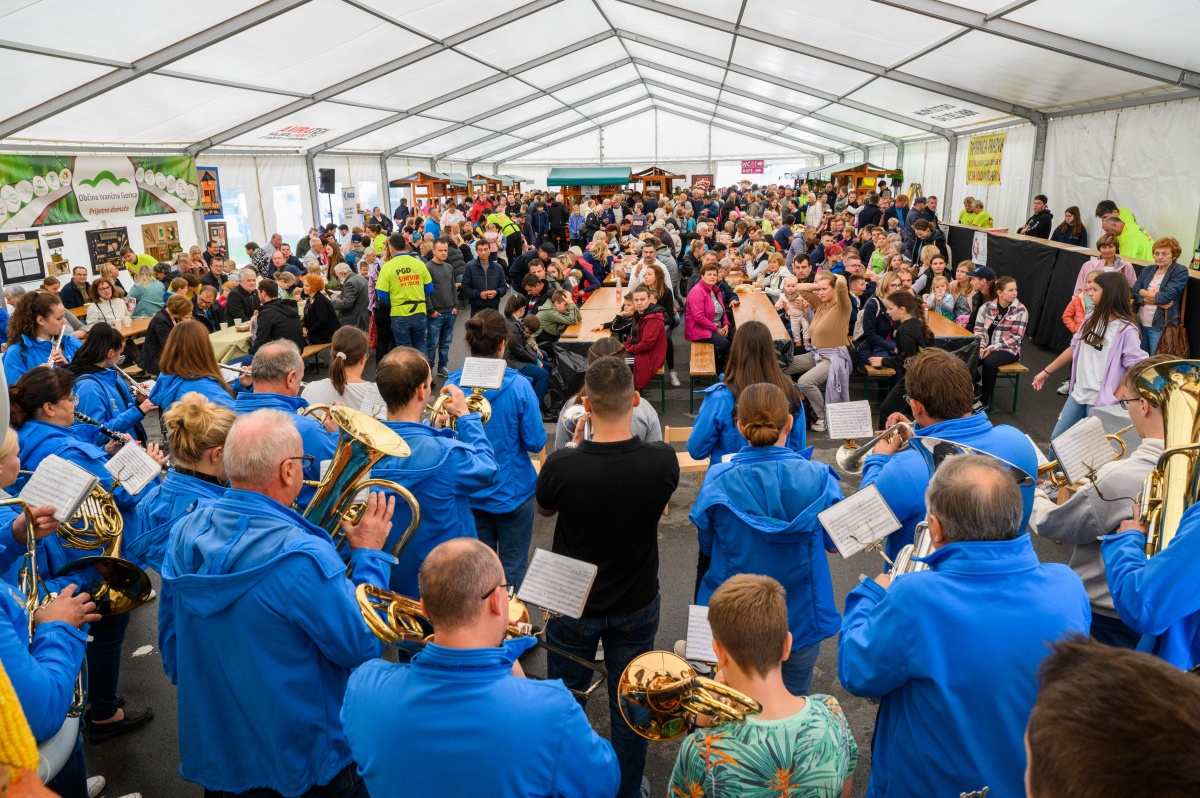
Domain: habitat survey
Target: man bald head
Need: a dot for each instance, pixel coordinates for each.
(459, 583)
(260, 455)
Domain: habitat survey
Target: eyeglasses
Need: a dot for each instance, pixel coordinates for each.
(306, 460)
(509, 589)
(74, 398)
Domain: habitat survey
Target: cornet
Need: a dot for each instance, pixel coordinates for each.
(850, 456)
(476, 403)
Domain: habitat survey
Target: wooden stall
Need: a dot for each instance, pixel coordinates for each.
(658, 180)
(598, 182)
(861, 176)
(423, 186)
(491, 184)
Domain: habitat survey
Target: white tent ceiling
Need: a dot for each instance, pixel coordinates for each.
(510, 79)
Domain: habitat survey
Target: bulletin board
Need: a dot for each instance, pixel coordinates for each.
(105, 245)
(21, 258)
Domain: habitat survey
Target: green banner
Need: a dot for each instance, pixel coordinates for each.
(40, 190)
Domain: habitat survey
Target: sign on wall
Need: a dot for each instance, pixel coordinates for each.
(296, 133)
(702, 180)
(39, 190)
(210, 192)
(105, 245)
(984, 154)
(752, 167)
(21, 259)
(352, 212)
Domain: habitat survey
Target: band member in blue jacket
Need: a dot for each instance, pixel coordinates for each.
(277, 371)
(38, 335)
(443, 470)
(752, 359)
(259, 628)
(196, 431)
(953, 651)
(441, 709)
(504, 512)
(757, 514)
(188, 364)
(103, 393)
(941, 395)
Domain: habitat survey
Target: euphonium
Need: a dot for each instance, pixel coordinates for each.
(660, 696)
(1172, 487)
(363, 441)
(907, 559)
(570, 418)
(476, 403)
(850, 455)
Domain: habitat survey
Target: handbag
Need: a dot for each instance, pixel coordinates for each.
(1174, 340)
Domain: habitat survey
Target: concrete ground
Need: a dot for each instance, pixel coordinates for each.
(147, 760)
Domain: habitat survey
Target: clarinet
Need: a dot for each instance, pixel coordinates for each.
(105, 431)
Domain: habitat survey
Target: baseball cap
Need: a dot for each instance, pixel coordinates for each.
(576, 251)
(920, 199)
(986, 272)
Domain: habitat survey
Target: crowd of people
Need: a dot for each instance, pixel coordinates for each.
(282, 688)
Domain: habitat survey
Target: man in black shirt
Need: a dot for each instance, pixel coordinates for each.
(619, 537)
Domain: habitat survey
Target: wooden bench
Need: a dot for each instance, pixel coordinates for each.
(877, 374)
(687, 463)
(538, 460)
(1012, 372)
(661, 376)
(703, 364)
(313, 350)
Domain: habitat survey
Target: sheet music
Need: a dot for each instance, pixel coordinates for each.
(373, 403)
(857, 522)
(699, 635)
(849, 420)
(1041, 457)
(1082, 449)
(557, 583)
(482, 372)
(133, 468)
(61, 483)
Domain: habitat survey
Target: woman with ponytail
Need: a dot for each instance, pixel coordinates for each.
(37, 335)
(911, 334)
(757, 514)
(348, 352)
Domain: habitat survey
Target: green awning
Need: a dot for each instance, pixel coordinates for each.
(589, 176)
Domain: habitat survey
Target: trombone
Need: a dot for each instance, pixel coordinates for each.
(1059, 479)
(850, 455)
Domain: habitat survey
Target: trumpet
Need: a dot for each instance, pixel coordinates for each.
(476, 403)
(850, 455)
(1059, 480)
(660, 696)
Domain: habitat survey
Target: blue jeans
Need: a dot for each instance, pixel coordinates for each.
(1071, 414)
(624, 637)
(540, 377)
(798, 669)
(1150, 338)
(71, 780)
(409, 331)
(104, 665)
(509, 534)
(1113, 632)
(440, 332)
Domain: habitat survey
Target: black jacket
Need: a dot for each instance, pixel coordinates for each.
(240, 304)
(320, 319)
(870, 214)
(478, 278)
(156, 338)
(559, 213)
(519, 352)
(72, 297)
(211, 279)
(1039, 225)
(936, 239)
(279, 318)
(591, 226)
(457, 263)
(910, 339)
(520, 267)
(210, 318)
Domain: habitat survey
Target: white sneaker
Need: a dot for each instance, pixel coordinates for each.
(599, 651)
(818, 425)
(1065, 388)
(153, 595)
(95, 786)
(674, 379)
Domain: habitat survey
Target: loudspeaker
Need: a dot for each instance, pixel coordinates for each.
(326, 177)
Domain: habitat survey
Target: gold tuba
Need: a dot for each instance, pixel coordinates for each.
(660, 695)
(476, 403)
(363, 441)
(1172, 487)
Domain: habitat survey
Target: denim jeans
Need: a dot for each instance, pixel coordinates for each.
(509, 534)
(540, 377)
(1113, 632)
(104, 664)
(1071, 414)
(71, 780)
(1150, 338)
(624, 637)
(409, 331)
(798, 669)
(440, 332)
(346, 784)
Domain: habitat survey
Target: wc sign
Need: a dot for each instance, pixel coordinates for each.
(752, 167)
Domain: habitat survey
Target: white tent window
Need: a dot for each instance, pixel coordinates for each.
(289, 212)
(237, 220)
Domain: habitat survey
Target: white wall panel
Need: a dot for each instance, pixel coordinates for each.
(1008, 202)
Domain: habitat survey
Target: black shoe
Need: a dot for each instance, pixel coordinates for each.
(443, 372)
(99, 732)
(549, 417)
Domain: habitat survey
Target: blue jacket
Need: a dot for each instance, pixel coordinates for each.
(104, 396)
(1170, 292)
(161, 506)
(170, 388)
(256, 605)
(515, 430)
(715, 433)
(954, 652)
(903, 477)
(442, 472)
(43, 675)
(1157, 597)
(433, 710)
(757, 514)
(317, 442)
(3, 324)
(26, 353)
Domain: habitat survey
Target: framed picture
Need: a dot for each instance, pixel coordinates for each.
(218, 231)
(105, 245)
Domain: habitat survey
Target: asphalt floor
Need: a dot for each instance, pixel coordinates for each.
(147, 760)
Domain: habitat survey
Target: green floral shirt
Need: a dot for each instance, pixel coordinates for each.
(807, 755)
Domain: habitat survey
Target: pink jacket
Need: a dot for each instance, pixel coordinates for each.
(1096, 264)
(698, 319)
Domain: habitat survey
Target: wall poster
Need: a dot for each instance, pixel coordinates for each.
(21, 258)
(104, 245)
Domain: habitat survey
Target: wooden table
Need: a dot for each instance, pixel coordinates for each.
(136, 327)
(600, 308)
(942, 327)
(80, 312)
(757, 306)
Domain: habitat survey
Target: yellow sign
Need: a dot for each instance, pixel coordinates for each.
(984, 154)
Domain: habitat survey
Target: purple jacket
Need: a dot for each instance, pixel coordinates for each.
(1127, 350)
(698, 321)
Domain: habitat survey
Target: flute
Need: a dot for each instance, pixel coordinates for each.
(134, 385)
(55, 346)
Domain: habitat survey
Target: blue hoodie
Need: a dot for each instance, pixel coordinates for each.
(514, 430)
(954, 652)
(433, 709)
(757, 514)
(1157, 597)
(170, 388)
(317, 442)
(259, 628)
(104, 396)
(715, 433)
(442, 472)
(27, 353)
(160, 507)
(903, 477)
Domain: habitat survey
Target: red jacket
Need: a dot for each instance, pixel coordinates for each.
(648, 345)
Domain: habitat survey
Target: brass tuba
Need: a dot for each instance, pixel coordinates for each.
(363, 441)
(1172, 487)
(660, 696)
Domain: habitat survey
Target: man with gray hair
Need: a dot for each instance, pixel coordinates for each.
(275, 374)
(242, 302)
(953, 650)
(474, 674)
(259, 626)
(351, 305)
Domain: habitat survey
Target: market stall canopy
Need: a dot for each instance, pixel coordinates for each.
(589, 176)
(861, 167)
(421, 177)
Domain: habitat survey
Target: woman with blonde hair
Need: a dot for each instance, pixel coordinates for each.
(758, 259)
(348, 354)
(149, 294)
(320, 317)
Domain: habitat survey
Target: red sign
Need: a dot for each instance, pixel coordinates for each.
(752, 167)
(702, 180)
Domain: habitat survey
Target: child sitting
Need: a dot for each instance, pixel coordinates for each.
(797, 308)
(556, 316)
(940, 300)
(622, 324)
